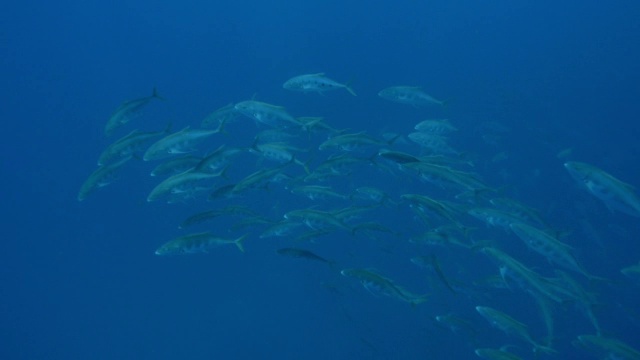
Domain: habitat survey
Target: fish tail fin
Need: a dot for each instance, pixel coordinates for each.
(419, 300)
(155, 94)
(537, 348)
(305, 165)
(350, 90)
(347, 86)
(239, 242)
(220, 128)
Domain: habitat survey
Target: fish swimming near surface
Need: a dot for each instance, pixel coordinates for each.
(127, 111)
(315, 83)
(616, 194)
(411, 95)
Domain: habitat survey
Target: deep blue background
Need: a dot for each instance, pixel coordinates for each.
(79, 280)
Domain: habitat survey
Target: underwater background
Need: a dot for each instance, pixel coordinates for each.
(529, 85)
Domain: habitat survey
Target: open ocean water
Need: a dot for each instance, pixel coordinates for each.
(527, 85)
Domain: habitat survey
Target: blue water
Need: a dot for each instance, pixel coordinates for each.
(80, 279)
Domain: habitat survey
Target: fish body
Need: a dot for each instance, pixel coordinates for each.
(411, 95)
(493, 217)
(303, 254)
(443, 175)
(127, 145)
(217, 159)
(212, 214)
(509, 325)
(435, 143)
(102, 177)
(496, 354)
(176, 165)
(220, 116)
(526, 278)
(179, 183)
(279, 229)
(611, 348)
(316, 219)
(380, 285)
(180, 142)
(258, 178)
(432, 263)
(197, 243)
(127, 111)
(315, 83)
(268, 114)
(632, 272)
(435, 126)
(317, 192)
(616, 194)
(547, 246)
(352, 142)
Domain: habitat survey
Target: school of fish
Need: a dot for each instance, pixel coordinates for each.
(437, 189)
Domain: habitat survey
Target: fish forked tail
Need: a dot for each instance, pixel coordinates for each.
(419, 300)
(537, 349)
(155, 94)
(239, 242)
(347, 86)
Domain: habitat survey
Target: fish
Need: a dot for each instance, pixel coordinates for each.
(493, 217)
(281, 228)
(279, 152)
(317, 219)
(127, 111)
(434, 143)
(128, 145)
(176, 165)
(424, 205)
(100, 178)
(547, 246)
(496, 354)
(197, 243)
(632, 272)
(317, 192)
(527, 279)
(212, 214)
(353, 142)
(315, 83)
(220, 116)
(260, 177)
(411, 95)
(217, 159)
(609, 347)
(615, 194)
(435, 126)
(444, 176)
(380, 285)
(303, 254)
(268, 114)
(431, 262)
(180, 142)
(180, 183)
(510, 325)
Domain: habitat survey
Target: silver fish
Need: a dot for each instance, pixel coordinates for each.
(315, 83)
